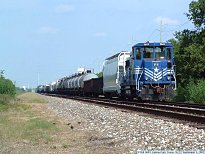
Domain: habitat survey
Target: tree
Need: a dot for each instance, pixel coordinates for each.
(197, 13)
(2, 74)
(100, 74)
(190, 46)
(6, 85)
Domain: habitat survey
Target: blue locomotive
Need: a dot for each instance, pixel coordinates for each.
(150, 72)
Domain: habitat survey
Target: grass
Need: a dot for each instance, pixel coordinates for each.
(27, 126)
(18, 122)
(65, 145)
(13, 107)
(5, 98)
(38, 123)
(22, 129)
(38, 129)
(32, 98)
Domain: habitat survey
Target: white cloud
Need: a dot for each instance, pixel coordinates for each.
(63, 8)
(166, 20)
(101, 34)
(48, 30)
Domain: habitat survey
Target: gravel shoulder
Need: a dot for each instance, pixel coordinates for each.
(125, 132)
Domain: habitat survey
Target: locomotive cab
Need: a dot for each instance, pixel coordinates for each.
(150, 72)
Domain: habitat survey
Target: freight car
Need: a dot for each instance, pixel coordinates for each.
(93, 87)
(72, 85)
(113, 73)
(40, 89)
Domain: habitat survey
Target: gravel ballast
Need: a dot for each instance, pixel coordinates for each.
(129, 130)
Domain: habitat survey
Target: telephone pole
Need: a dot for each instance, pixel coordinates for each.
(161, 31)
(38, 79)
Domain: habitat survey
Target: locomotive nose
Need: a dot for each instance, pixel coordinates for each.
(155, 71)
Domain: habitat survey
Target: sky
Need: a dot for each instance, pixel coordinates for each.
(53, 38)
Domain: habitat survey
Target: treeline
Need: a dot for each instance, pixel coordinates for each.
(190, 56)
(7, 89)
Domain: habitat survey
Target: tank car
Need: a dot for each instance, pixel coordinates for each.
(40, 89)
(52, 86)
(74, 84)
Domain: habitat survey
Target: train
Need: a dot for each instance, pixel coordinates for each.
(148, 72)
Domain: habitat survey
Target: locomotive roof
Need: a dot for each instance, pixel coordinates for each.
(153, 44)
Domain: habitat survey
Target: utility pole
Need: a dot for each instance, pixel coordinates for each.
(160, 31)
(2, 73)
(132, 41)
(38, 79)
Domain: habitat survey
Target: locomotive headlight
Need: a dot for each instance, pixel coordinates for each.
(146, 78)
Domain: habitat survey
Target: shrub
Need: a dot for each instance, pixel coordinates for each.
(7, 86)
(180, 94)
(196, 91)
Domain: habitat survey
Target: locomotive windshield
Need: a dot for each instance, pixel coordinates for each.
(153, 53)
(159, 53)
(148, 52)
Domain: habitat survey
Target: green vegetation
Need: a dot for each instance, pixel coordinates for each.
(32, 130)
(196, 91)
(38, 129)
(32, 98)
(17, 119)
(190, 56)
(100, 74)
(20, 90)
(5, 98)
(27, 126)
(7, 91)
(7, 87)
(18, 122)
(65, 145)
(38, 123)
(180, 94)
(5, 107)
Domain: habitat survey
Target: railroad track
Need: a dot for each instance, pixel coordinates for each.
(192, 114)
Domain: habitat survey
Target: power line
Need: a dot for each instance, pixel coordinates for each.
(163, 30)
(171, 30)
(151, 34)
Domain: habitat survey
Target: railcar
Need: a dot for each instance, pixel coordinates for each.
(150, 72)
(113, 72)
(74, 85)
(93, 87)
(40, 89)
